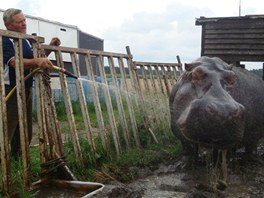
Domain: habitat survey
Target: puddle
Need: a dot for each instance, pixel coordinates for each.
(66, 189)
(169, 181)
(160, 186)
(51, 192)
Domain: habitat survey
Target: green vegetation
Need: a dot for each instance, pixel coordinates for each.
(258, 72)
(100, 167)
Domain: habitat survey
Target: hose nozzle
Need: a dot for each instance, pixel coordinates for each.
(64, 71)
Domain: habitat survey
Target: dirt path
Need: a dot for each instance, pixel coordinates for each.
(169, 181)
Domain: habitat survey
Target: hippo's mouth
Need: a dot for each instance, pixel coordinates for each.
(219, 133)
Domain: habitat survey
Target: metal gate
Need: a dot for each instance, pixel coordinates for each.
(138, 89)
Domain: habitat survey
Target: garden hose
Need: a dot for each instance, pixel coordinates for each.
(64, 71)
(14, 88)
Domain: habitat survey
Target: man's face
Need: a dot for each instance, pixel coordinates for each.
(18, 24)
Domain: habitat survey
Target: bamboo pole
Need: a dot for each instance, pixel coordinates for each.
(129, 103)
(22, 111)
(69, 110)
(4, 141)
(109, 106)
(118, 97)
(84, 109)
(100, 120)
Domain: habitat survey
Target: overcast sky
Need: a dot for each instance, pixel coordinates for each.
(155, 30)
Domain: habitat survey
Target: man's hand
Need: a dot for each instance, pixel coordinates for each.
(43, 63)
(55, 41)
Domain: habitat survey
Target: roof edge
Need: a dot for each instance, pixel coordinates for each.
(202, 19)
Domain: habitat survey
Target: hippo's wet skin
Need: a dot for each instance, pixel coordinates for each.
(216, 105)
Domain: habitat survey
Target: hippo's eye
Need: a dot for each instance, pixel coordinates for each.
(229, 80)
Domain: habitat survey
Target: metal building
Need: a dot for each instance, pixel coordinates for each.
(88, 41)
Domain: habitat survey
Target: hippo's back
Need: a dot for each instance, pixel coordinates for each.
(249, 91)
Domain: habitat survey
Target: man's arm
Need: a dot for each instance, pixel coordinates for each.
(9, 58)
(43, 63)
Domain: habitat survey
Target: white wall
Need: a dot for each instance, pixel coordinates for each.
(2, 26)
(68, 34)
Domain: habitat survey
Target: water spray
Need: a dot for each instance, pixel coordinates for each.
(64, 71)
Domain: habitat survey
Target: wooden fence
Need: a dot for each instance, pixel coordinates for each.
(137, 88)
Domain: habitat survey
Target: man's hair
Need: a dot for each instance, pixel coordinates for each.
(8, 15)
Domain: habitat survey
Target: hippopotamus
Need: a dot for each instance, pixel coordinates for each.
(217, 105)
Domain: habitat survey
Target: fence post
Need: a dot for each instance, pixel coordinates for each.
(82, 100)
(69, 110)
(4, 141)
(109, 106)
(135, 80)
(103, 136)
(22, 111)
(119, 101)
(129, 104)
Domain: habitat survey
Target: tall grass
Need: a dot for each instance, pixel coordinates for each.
(99, 166)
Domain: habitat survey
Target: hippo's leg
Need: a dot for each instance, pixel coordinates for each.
(250, 150)
(190, 155)
(251, 154)
(222, 183)
(224, 164)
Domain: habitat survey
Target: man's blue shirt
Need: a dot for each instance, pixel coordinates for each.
(8, 53)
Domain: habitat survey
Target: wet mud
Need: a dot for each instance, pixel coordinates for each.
(245, 179)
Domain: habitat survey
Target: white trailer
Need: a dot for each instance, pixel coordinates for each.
(68, 34)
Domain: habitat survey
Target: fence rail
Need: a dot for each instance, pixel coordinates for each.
(137, 88)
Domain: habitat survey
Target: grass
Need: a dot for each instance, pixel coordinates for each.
(99, 167)
(102, 168)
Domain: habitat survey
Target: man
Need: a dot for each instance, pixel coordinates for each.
(15, 20)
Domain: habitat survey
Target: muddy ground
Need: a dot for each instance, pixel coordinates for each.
(245, 180)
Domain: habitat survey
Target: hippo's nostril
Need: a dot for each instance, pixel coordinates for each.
(236, 112)
(211, 109)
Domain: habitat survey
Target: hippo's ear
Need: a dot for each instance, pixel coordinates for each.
(188, 66)
(230, 66)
